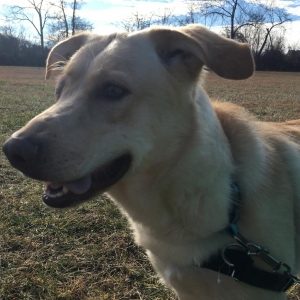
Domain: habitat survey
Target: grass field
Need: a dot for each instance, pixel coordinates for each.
(88, 252)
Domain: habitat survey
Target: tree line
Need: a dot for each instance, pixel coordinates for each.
(259, 23)
(51, 21)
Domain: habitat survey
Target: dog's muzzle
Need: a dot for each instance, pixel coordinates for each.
(23, 154)
(71, 193)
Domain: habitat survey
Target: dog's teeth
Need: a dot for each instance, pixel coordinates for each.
(54, 185)
(65, 190)
(55, 190)
(59, 194)
(54, 195)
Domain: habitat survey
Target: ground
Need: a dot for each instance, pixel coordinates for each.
(88, 252)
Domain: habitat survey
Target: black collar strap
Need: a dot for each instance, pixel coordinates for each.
(236, 259)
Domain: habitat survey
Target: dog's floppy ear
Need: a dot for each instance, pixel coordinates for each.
(62, 51)
(194, 46)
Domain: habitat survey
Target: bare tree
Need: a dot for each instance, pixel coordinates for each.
(274, 18)
(78, 23)
(139, 21)
(136, 21)
(37, 14)
(235, 15)
(74, 9)
(194, 13)
(232, 14)
(248, 21)
(267, 25)
(7, 30)
(65, 20)
(59, 25)
(166, 18)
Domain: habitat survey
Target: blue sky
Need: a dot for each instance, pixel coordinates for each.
(106, 15)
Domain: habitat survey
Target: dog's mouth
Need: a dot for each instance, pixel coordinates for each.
(71, 193)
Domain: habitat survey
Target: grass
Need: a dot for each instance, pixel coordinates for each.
(88, 252)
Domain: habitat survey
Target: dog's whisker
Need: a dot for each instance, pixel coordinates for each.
(58, 65)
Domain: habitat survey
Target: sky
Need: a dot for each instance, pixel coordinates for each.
(106, 15)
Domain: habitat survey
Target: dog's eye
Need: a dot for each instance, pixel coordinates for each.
(110, 91)
(113, 92)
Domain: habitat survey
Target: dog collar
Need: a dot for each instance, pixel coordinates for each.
(237, 259)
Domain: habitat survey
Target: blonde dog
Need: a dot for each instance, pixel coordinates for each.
(212, 194)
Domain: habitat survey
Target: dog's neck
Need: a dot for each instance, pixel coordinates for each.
(197, 172)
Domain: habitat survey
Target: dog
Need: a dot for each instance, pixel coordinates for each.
(212, 194)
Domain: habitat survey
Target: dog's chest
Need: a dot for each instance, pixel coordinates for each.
(177, 248)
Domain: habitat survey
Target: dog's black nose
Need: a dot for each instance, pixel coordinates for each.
(21, 153)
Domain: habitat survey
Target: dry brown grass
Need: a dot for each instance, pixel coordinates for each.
(271, 96)
(88, 252)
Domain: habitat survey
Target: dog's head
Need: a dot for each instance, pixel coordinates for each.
(119, 99)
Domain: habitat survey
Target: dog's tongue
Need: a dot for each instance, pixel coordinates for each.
(79, 186)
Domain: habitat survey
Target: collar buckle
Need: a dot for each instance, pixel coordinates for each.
(251, 249)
